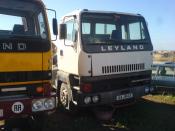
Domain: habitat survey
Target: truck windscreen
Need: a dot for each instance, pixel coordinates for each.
(21, 19)
(103, 29)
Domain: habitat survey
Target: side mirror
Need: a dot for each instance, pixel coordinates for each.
(62, 31)
(55, 26)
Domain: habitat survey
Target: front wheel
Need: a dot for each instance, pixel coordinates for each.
(65, 98)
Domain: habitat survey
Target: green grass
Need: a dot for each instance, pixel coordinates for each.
(148, 115)
(166, 99)
(152, 113)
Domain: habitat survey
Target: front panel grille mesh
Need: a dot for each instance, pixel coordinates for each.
(122, 68)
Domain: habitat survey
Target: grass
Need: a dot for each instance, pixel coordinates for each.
(162, 58)
(166, 99)
(151, 113)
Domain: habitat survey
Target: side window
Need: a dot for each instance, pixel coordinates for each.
(166, 71)
(11, 25)
(142, 31)
(42, 27)
(69, 30)
(72, 27)
(169, 71)
(86, 28)
(134, 29)
(7, 25)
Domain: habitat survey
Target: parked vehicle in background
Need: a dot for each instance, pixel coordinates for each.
(26, 60)
(104, 58)
(163, 76)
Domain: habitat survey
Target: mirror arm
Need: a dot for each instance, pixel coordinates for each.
(55, 18)
(53, 11)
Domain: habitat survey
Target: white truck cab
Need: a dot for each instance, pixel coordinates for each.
(103, 57)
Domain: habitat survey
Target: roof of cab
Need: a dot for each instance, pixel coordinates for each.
(79, 11)
(40, 1)
(10, 5)
(32, 0)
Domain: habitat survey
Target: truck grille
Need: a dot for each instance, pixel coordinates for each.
(25, 90)
(12, 91)
(122, 68)
(121, 83)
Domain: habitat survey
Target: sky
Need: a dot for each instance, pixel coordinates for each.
(160, 15)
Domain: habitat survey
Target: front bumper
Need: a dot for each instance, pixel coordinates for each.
(109, 98)
(18, 106)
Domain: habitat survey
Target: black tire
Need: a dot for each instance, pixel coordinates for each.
(65, 99)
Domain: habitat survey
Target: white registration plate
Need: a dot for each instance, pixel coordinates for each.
(124, 96)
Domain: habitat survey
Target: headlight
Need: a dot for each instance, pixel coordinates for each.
(95, 99)
(49, 103)
(43, 104)
(87, 100)
(37, 105)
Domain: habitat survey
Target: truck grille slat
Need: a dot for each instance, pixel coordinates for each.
(122, 68)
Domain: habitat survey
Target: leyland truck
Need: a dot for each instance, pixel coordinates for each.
(104, 58)
(25, 59)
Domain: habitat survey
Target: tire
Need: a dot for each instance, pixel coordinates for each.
(65, 99)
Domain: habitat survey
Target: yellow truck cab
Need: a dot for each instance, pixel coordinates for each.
(25, 59)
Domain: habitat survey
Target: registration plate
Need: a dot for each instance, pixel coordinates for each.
(124, 96)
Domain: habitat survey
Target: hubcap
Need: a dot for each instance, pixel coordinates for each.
(64, 96)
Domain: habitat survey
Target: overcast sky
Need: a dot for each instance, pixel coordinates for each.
(160, 15)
